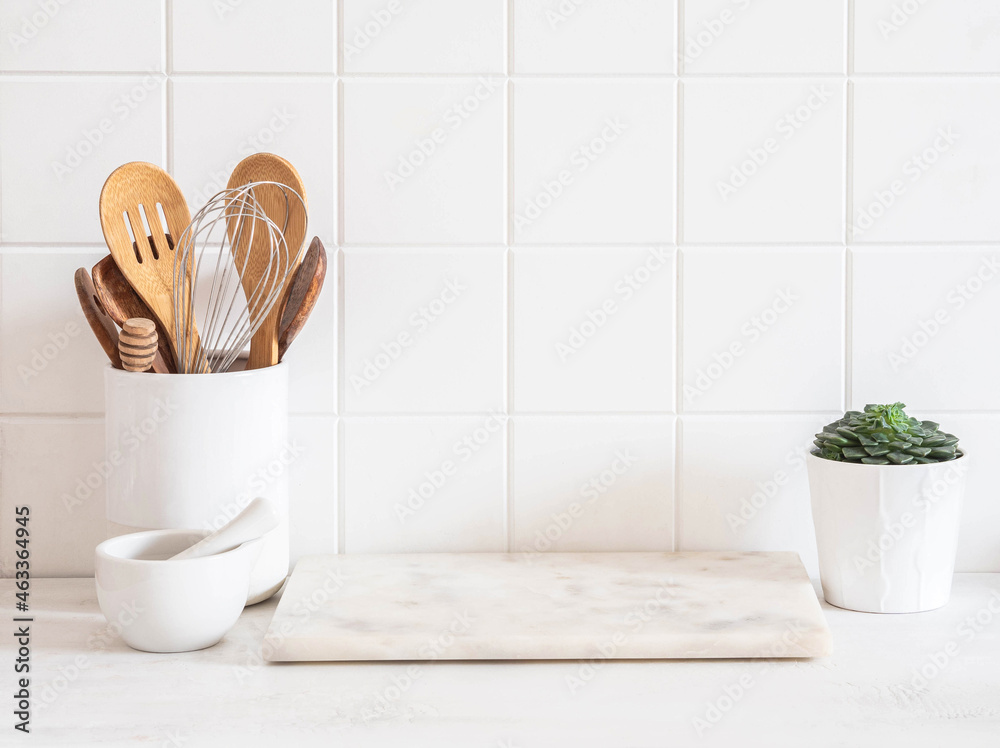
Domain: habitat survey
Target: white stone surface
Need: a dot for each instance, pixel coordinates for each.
(498, 606)
(864, 694)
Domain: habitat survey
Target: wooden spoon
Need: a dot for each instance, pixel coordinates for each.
(122, 304)
(303, 295)
(286, 212)
(100, 322)
(136, 201)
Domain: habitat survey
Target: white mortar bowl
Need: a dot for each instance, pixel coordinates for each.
(171, 606)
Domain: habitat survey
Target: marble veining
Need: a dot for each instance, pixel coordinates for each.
(493, 606)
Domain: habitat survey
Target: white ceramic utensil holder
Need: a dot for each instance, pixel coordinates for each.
(189, 451)
(887, 534)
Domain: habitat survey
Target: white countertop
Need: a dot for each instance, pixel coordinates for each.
(103, 693)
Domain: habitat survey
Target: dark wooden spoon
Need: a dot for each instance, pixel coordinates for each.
(122, 303)
(102, 325)
(302, 296)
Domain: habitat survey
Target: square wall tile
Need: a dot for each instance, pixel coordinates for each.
(61, 140)
(424, 485)
(439, 36)
(423, 330)
(313, 486)
(941, 348)
(55, 467)
(763, 329)
(312, 356)
(293, 36)
(588, 484)
(745, 486)
(51, 363)
(979, 537)
(594, 161)
(294, 118)
(926, 163)
(763, 161)
(599, 36)
(80, 36)
(959, 36)
(778, 36)
(594, 329)
(424, 161)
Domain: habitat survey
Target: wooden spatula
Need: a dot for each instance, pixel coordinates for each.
(98, 319)
(303, 294)
(142, 212)
(122, 303)
(289, 214)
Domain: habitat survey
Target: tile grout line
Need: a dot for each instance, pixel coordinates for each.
(675, 541)
(22, 247)
(340, 287)
(291, 75)
(509, 399)
(681, 68)
(848, 337)
(508, 270)
(678, 484)
(341, 482)
(338, 36)
(848, 267)
(167, 60)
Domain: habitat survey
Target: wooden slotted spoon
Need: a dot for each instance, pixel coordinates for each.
(286, 212)
(136, 201)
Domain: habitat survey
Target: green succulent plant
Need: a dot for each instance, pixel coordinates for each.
(885, 435)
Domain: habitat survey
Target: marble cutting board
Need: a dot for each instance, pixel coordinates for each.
(517, 606)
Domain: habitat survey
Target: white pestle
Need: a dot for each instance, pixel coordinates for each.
(258, 518)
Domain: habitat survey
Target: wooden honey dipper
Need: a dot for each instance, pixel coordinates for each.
(137, 344)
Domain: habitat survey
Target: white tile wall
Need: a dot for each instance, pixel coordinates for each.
(571, 211)
(424, 484)
(588, 150)
(581, 484)
(446, 36)
(408, 314)
(776, 36)
(940, 351)
(959, 36)
(424, 160)
(597, 37)
(60, 137)
(581, 329)
(763, 330)
(763, 160)
(757, 497)
(926, 163)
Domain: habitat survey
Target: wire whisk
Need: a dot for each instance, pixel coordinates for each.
(231, 266)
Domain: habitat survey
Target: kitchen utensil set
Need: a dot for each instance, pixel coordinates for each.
(252, 233)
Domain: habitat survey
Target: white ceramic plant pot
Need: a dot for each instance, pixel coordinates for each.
(887, 534)
(189, 451)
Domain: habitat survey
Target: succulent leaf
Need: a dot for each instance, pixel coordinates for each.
(884, 435)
